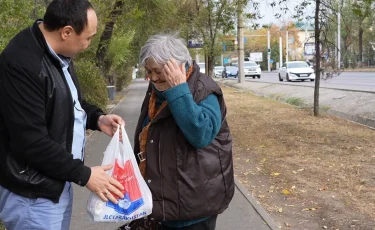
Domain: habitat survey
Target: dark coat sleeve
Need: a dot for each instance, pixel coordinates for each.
(22, 104)
(93, 114)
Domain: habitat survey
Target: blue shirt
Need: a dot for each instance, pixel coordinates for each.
(80, 117)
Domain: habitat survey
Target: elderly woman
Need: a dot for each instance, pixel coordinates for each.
(182, 139)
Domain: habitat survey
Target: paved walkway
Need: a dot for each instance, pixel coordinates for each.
(244, 213)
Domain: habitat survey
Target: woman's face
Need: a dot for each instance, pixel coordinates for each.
(155, 73)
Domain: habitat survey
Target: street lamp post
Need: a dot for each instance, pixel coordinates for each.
(281, 51)
(268, 49)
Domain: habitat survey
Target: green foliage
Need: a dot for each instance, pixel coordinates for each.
(295, 101)
(2, 226)
(15, 16)
(124, 77)
(92, 83)
(120, 50)
(324, 108)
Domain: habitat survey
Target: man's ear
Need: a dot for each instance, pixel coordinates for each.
(66, 32)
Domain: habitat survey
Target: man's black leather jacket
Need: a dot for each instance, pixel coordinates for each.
(36, 120)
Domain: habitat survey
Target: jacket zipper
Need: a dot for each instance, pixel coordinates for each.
(71, 105)
(161, 181)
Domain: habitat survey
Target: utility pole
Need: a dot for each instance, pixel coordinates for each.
(281, 51)
(268, 49)
(287, 46)
(306, 38)
(241, 56)
(339, 38)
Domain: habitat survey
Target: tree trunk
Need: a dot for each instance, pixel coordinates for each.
(106, 36)
(360, 45)
(211, 63)
(317, 59)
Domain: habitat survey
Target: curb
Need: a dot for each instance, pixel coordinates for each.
(309, 86)
(258, 208)
(367, 122)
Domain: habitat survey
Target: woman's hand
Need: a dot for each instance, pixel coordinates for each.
(174, 74)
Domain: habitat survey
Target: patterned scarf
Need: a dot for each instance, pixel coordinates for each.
(153, 112)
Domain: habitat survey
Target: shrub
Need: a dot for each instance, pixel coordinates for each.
(295, 101)
(92, 83)
(123, 77)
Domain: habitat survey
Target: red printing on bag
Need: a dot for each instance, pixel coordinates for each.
(127, 178)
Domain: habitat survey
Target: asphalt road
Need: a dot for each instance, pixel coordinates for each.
(364, 81)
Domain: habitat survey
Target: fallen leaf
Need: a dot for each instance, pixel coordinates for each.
(280, 210)
(294, 172)
(276, 174)
(309, 209)
(262, 146)
(286, 192)
(287, 225)
(247, 160)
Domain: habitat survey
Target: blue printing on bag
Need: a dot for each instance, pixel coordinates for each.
(125, 205)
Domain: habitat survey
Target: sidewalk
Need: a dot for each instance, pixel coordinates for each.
(244, 213)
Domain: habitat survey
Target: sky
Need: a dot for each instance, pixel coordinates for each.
(268, 12)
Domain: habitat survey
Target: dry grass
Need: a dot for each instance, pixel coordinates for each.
(307, 172)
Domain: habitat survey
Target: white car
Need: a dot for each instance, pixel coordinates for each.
(218, 70)
(252, 69)
(296, 70)
(202, 67)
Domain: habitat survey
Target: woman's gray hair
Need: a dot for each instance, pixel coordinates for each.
(162, 47)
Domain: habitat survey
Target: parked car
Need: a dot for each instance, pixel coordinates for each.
(202, 67)
(296, 70)
(218, 70)
(230, 71)
(252, 69)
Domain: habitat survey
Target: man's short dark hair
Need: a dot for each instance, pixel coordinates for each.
(61, 13)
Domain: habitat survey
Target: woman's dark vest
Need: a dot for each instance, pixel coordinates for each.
(187, 183)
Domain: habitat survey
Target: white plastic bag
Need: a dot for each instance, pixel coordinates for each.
(137, 201)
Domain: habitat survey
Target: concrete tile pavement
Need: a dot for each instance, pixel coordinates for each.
(243, 213)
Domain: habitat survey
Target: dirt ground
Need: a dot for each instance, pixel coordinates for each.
(307, 172)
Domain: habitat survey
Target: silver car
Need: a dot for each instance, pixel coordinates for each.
(296, 70)
(218, 70)
(252, 69)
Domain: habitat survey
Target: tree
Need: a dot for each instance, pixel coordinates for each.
(17, 15)
(324, 11)
(362, 9)
(317, 58)
(106, 36)
(206, 20)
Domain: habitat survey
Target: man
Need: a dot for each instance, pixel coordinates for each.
(43, 121)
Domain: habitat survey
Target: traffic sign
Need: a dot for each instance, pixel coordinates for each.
(271, 60)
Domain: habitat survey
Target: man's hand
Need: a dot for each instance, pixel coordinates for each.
(104, 185)
(108, 123)
(174, 74)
